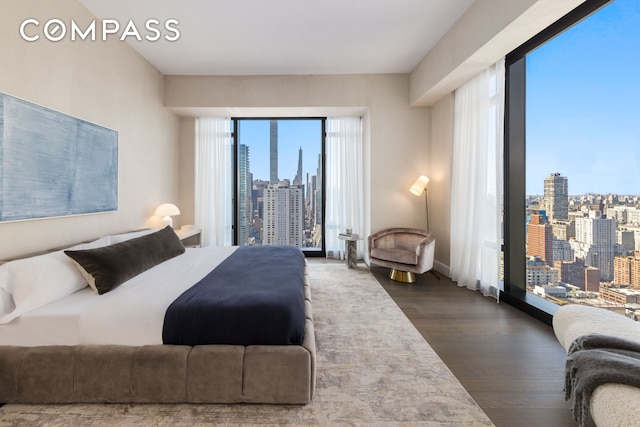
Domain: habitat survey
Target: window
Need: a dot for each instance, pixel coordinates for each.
(279, 183)
(572, 201)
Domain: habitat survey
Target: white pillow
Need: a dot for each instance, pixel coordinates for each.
(117, 238)
(6, 300)
(37, 281)
(103, 241)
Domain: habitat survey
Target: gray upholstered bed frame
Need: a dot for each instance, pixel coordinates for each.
(282, 374)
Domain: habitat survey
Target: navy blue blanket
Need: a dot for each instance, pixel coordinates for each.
(255, 296)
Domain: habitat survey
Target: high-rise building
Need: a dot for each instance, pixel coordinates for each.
(273, 152)
(556, 197)
(318, 194)
(563, 230)
(635, 271)
(633, 216)
(561, 250)
(626, 270)
(622, 270)
(626, 239)
(539, 239)
(283, 222)
(245, 186)
(312, 198)
(298, 179)
(258, 190)
(596, 238)
(619, 213)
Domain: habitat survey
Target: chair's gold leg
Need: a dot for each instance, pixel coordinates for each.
(402, 276)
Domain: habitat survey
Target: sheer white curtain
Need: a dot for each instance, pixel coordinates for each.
(344, 182)
(214, 181)
(477, 177)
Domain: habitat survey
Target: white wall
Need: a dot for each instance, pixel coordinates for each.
(487, 31)
(396, 135)
(441, 154)
(106, 83)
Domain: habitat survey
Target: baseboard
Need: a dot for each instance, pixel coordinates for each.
(441, 268)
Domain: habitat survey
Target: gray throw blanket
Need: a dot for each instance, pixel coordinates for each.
(594, 360)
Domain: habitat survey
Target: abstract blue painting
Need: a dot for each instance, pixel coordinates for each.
(53, 164)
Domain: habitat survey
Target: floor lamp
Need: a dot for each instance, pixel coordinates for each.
(417, 188)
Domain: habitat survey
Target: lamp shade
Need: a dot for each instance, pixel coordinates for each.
(166, 210)
(418, 187)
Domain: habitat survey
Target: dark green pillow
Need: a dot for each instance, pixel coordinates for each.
(107, 267)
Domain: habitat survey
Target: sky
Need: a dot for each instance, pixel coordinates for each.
(292, 134)
(583, 105)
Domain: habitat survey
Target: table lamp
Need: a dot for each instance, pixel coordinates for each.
(166, 211)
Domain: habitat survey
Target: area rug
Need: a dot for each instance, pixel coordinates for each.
(373, 369)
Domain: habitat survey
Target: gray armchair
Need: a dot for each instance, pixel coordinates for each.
(405, 250)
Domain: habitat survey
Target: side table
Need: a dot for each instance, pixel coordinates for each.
(190, 238)
(351, 242)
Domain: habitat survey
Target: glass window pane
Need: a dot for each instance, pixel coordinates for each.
(582, 163)
(279, 182)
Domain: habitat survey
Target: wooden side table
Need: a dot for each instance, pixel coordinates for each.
(351, 242)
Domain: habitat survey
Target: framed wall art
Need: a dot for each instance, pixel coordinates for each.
(53, 164)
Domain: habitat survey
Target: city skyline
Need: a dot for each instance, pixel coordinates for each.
(270, 213)
(590, 195)
(256, 135)
(582, 109)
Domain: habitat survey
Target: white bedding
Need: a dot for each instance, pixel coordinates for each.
(131, 314)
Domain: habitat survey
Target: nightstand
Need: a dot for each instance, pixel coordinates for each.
(190, 238)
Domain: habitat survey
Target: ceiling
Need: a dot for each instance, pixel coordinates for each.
(269, 37)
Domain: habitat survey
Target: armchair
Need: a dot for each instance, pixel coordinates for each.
(405, 250)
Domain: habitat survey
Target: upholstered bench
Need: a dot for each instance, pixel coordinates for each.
(610, 404)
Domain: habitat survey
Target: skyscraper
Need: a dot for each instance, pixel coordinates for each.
(595, 242)
(539, 239)
(627, 270)
(318, 194)
(312, 199)
(622, 270)
(556, 197)
(283, 216)
(298, 179)
(245, 186)
(273, 152)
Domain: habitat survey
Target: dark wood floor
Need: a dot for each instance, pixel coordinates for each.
(509, 362)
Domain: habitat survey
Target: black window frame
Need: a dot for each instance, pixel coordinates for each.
(310, 253)
(515, 292)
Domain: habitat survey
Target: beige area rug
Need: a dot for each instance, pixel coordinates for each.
(373, 369)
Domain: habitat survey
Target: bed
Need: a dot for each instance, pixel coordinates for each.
(62, 341)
